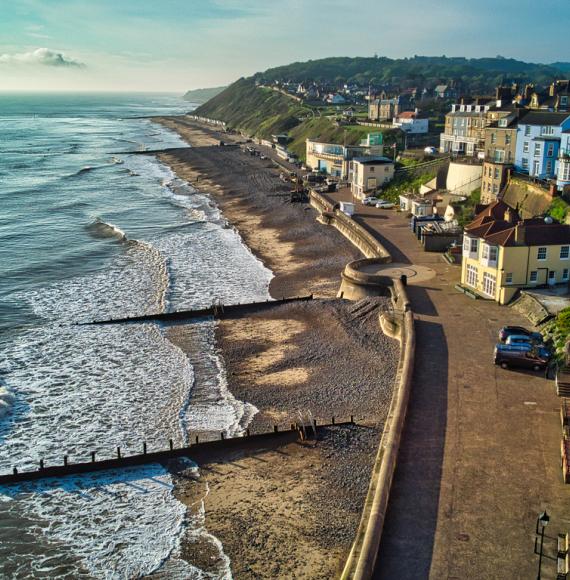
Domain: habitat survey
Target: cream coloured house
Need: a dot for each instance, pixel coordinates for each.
(503, 253)
(369, 174)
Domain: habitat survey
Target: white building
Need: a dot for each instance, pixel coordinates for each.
(411, 122)
(370, 173)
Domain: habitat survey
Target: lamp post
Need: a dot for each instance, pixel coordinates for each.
(541, 522)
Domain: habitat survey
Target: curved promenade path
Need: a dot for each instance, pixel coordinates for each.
(480, 453)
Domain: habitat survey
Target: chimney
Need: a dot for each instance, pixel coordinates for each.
(519, 233)
(552, 90)
(508, 216)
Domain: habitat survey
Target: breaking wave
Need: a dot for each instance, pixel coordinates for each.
(101, 229)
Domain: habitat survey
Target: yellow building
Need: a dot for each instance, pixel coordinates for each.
(502, 253)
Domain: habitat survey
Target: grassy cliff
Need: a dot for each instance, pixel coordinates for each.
(254, 110)
(199, 96)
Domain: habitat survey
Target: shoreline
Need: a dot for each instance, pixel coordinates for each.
(291, 511)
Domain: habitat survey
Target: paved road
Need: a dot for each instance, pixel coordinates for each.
(480, 455)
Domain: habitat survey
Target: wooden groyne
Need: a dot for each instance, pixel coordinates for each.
(197, 449)
(218, 310)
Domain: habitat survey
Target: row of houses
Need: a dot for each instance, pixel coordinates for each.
(528, 133)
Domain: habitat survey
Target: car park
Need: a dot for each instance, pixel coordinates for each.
(506, 331)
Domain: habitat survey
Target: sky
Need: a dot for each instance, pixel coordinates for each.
(176, 45)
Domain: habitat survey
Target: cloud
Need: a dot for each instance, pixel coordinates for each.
(41, 56)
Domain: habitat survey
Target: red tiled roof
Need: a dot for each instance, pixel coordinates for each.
(491, 225)
(407, 115)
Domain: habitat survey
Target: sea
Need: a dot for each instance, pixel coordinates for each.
(91, 229)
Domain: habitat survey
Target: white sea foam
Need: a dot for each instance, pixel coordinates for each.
(72, 390)
(117, 524)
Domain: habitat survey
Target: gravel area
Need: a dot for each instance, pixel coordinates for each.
(329, 357)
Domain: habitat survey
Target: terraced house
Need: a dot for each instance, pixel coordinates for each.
(503, 253)
(542, 140)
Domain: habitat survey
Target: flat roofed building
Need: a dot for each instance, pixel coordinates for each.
(369, 174)
(334, 159)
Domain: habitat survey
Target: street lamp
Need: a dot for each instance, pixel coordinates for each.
(542, 522)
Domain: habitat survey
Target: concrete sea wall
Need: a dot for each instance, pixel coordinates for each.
(400, 325)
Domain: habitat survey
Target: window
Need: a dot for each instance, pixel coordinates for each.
(489, 284)
(564, 171)
(471, 276)
(536, 167)
(564, 101)
(509, 278)
(536, 149)
(474, 247)
(525, 163)
(527, 130)
(547, 130)
(496, 173)
(533, 277)
(565, 274)
(541, 253)
(372, 170)
(508, 138)
(564, 252)
(493, 137)
(548, 167)
(495, 188)
(550, 150)
(525, 147)
(499, 156)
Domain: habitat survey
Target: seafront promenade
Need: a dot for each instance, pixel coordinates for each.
(479, 458)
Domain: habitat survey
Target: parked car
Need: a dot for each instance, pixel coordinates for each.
(370, 201)
(430, 150)
(541, 349)
(384, 204)
(532, 359)
(521, 339)
(506, 331)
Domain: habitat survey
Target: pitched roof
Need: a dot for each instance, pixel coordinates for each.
(407, 115)
(544, 118)
(372, 160)
(497, 227)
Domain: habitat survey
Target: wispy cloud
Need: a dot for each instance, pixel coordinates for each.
(42, 57)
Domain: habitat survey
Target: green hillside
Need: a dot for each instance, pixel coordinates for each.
(199, 96)
(477, 75)
(263, 111)
(254, 110)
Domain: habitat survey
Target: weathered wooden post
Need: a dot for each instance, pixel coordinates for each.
(171, 444)
(197, 440)
(352, 419)
(333, 420)
(41, 464)
(275, 429)
(15, 471)
(118, 453)
(247, 432)
(92, 456)
(222, 436)
(65, 460)
(144, 447)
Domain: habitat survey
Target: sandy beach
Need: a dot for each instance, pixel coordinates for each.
(289, 511)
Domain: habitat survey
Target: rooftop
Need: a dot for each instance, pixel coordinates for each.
(373, 160)
(544, 118)
(498, 224)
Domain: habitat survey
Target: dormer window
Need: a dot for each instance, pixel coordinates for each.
(502, 122)
(547, 130)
